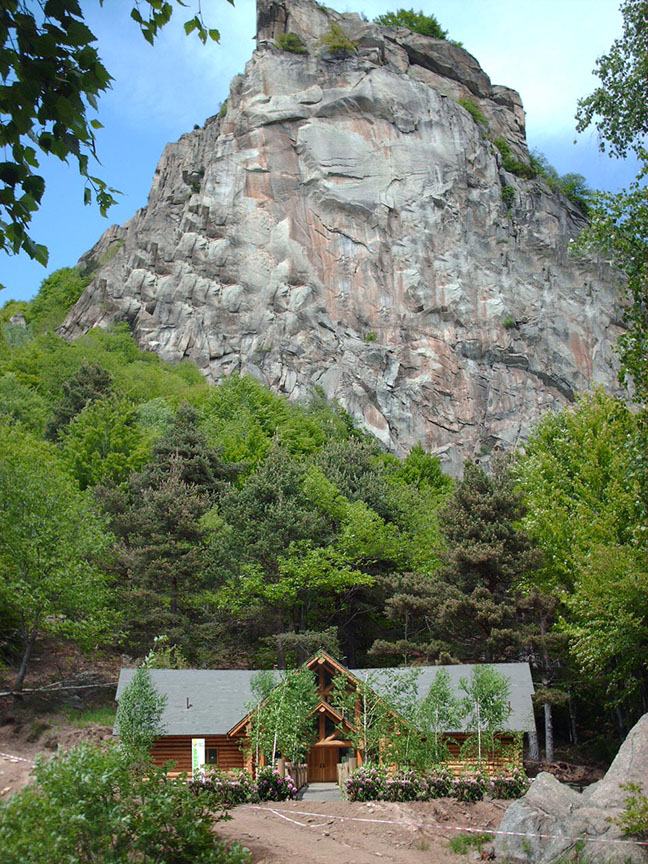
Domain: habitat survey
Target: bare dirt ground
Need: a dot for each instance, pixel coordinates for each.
(325, 831)
(21, 743)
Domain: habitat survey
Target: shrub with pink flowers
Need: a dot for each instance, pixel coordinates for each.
(227, 789)
(510, 783)
(367, 783)
(406, 786)
(440, 784)
(271, 786)
(471, 786)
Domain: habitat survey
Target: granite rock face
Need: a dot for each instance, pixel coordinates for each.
(551, 808)
(342, 226)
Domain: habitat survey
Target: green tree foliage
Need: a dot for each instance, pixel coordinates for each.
(93, 804)
(104, 443)
(91, 382)
(50, 542)
(618, 106)
(585, 511)
(299, 546)
(470, 610)
(426, 25)
(21, 404)
(369, 706)
(164, 655)
(574, 186)
(161, 539)
(56, 296)
(486, 705)
(336, 41)
(262, 683)
(439, 711)
(246, 420)
(282, 721)
(619, 221)
(292, 43)
(51, 76)
(510, 163)
(139, 714)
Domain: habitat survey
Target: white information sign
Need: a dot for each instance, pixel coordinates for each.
(197, 755)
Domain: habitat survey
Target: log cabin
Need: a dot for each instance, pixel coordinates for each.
(212, 706)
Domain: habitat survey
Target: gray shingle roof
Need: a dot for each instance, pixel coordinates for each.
(519, 675)
(218, 697)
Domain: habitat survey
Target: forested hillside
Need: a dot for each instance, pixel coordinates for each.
(138, 501)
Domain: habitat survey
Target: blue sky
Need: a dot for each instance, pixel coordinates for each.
(545, 49)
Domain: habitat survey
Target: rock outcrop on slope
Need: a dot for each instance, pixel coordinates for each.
(551, 808)
(346, 223)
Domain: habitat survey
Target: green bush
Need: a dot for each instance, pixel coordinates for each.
(93, 804)
(272, 786)
(474, 110)
(292, 43)
(367, 783)
(573, 186)
(510, 163)
(426, 25)
(371, 336)
(336, 41)
(226, 789)
(463, 843)
(440, 784)
(508, 784)
(509, 322)
(406, 786)
(634, 819)
(471, 787)
(508, 196)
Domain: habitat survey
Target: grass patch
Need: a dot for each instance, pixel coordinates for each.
(292, 43)
(104, 715)
(510, 163)
(463, 843)
(474, 110)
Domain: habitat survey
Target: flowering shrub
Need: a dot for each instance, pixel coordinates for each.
(406, 786)
(471, 787)
(510, 783)
(227, 789)
(367, 783)
(271, 786)
(440, 784)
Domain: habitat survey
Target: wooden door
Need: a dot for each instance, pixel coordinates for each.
(322, 764)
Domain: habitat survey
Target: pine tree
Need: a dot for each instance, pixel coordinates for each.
(91, 382)
(470, 608)
(162, 541)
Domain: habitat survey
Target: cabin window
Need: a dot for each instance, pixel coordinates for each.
(212, 756)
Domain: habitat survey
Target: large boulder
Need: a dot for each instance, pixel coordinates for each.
(564, 816)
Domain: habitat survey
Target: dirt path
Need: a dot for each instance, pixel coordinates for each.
(20, 744)
(333, 831)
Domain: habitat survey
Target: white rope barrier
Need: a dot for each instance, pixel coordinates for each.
(443, 827)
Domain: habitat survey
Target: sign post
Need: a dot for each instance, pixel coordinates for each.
(197, 756)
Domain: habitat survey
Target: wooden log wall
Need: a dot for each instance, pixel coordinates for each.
(177, 748)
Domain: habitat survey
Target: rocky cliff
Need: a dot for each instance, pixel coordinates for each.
(347, 223)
